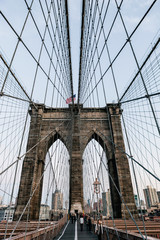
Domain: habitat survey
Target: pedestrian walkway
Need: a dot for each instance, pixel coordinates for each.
(73, 232)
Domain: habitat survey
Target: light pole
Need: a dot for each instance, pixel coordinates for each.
(97, 190)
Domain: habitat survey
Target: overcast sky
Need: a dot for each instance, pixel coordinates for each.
(132, 10)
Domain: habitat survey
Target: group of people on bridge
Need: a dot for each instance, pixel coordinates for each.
(96, 227)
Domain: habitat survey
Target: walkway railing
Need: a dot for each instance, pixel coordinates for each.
(111, 233)
(48, 232)
(121, 231)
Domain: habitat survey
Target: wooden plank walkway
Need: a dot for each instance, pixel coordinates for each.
(152, 227)
(31, 226)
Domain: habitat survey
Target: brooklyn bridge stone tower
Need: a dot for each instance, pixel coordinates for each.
(49, 124)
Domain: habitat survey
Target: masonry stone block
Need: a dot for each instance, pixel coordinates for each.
(76, 127)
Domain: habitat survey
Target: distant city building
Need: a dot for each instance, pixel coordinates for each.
(57, 200)
(87, 206)
(8, 213)
(142, 203)
(2, 211)
(84, 202)
(139, 203)
(141, 207)
(0, 200)
(158, 193)
(151, 196)
(136, 200)
(155, 209)
(104, 204)
(66, 204)
(95, 206)
(44, 212)
(107, 206)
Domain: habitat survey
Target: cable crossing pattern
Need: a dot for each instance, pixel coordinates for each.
(53, 147)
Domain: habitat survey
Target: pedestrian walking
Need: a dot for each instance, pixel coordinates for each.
(72, 218)
(81, 220)
(89, 224)
(99, 229)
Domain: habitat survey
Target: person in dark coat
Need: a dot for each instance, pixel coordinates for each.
(89, 224)
(99, 229)
(75, 217)
(72, 218)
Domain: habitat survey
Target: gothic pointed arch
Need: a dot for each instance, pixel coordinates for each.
(53, 138)
(105, 144)
(76, 127)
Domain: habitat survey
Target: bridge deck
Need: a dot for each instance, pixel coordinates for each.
(48, 230)
(72, 231)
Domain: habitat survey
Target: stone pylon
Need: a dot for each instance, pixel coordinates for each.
(75, 127)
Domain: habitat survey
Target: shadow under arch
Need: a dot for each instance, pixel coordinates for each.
(104, 143)
(112, 171)
(101, 141)
(50, 140)
(54, 138)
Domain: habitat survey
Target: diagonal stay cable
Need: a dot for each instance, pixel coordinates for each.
(19, 40)
(130, 157)
(31, 54)
(136, 60)
(119, 52)
(140, 68)
(20, 157)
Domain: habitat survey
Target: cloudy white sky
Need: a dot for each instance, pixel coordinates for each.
(132, 10)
